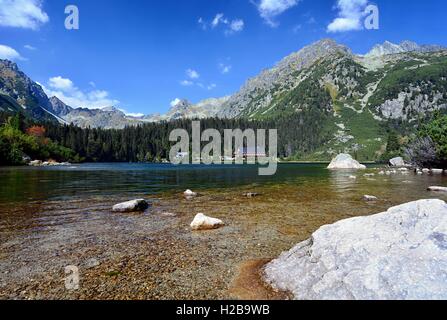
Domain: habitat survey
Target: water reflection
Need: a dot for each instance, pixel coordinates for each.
(25, 184)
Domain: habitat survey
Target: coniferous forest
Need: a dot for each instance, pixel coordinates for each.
(150, 142)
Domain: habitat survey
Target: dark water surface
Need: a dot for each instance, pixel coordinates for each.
(59, 216)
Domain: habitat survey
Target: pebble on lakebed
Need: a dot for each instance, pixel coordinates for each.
(251, 194)
(370, 198)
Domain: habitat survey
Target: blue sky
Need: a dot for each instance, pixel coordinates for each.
(142, 54)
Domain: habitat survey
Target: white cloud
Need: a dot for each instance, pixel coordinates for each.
(230, 26)
(175, 102)
(202, 23)
(9, 53)
(186, 83)
(29, 47)
(60, 83)
(66, 91)
(236, 26)
(270, 9)
(350, 13)
(27, 14)
(224, 69)
(218, 19)
(192, 74)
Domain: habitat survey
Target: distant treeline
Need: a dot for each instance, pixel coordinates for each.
(298, 134)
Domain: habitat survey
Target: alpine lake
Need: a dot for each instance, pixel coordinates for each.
(54, 217)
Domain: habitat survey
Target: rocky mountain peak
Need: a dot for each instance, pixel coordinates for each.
(385, 49)
(111, 109)
(313, 52)
(181, 105)
(283, 75)
(59, 108)
(8, 64)
(388, 48)
(26, 93)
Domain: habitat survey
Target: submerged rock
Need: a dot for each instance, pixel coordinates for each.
(251, 194)
(169, 214)
(345, 161)
(92, 263)
(131, 206)
(370, 198)
(399, 254)
(202, 222)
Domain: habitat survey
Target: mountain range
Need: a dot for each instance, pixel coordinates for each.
(356, 93)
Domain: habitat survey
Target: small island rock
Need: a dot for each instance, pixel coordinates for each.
(397, 162)
(345, 161)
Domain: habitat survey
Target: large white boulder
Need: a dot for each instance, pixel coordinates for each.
(397, 162)
(345, 161)
(202, 222)
(399, 254)
(131, 206)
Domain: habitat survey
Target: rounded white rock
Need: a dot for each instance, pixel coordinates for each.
(202, 222)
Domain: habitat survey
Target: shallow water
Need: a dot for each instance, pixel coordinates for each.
(59, 216)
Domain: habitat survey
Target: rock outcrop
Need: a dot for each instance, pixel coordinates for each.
(398, 254)
(345, 161)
